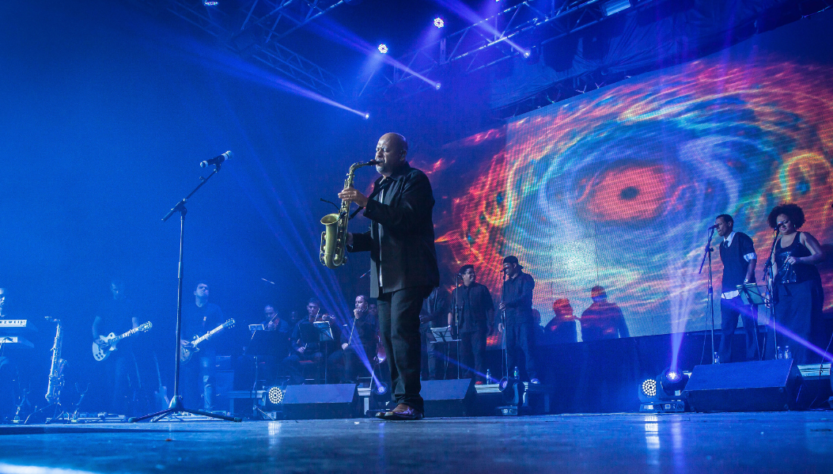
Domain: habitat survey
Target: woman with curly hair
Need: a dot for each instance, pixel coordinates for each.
(797, 283)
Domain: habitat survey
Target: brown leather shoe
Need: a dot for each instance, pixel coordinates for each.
(384, 415)
(404, 412)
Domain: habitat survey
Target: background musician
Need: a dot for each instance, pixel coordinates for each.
(737, 252)
(117, 315)
(798, 292)
(517, 302)
(302, 349)
(477, 315)
(198, 373)
(358, 335)
(432, 315)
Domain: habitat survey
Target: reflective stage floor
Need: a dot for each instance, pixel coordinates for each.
(747, 442)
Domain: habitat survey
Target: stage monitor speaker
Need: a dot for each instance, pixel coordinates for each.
(448, 397)
(305, 402)
(769, 385)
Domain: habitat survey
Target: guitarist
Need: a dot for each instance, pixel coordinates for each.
(117, 315)
(198, 373)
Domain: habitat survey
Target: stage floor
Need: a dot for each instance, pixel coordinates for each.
(747, 442)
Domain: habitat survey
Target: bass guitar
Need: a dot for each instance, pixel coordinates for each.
(107, 344)
(187, 351)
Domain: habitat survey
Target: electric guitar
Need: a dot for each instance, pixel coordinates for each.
(187, 351)
(103, 348)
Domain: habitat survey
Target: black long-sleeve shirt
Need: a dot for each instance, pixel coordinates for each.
(517, 295)
(475, 305)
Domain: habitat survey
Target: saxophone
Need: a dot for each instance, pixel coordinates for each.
(56, 372)
(334, 237)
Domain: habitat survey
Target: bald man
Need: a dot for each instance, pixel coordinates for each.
(403, 264)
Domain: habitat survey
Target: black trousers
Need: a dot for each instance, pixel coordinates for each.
(399, 329)
(473, 353)
(519, 338)
(730, 311)
(798, 306)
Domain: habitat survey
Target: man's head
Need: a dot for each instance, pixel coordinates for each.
(313, 308)
(269, 312)
(467, 274)
(725, 224)
(391, 150)
(372, 309)
(117, 289)
(361, 303)
(201, 293)
(511, 266)
(598, 294)
(562, 308)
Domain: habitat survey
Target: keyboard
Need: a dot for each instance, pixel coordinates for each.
(15, 326)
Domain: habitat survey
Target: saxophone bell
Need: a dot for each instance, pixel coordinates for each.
(334, 238)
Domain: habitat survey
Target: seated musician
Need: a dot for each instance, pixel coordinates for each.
(303, 346)
(116, 315)
(358, 343)
(278, 332)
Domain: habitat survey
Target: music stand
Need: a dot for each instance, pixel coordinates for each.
(325, 335)
(176, 405)
(439, 335)
(750, 294)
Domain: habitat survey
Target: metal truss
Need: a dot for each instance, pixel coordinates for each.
(253, 31)
(489, 41)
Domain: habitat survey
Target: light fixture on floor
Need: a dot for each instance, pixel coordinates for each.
(663, 394)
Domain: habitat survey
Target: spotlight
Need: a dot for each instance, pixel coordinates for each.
(438, 22)
(673, 382)
(383, 48)
(514, 395)
(275, 395)
(381, 389)
(663, 394)
(649, 388)
(366, 116)
(210, 3)
(437, 86)
(527, 54)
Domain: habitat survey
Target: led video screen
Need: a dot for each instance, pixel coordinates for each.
(617, 187)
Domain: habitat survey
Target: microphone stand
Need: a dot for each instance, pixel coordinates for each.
(708, 253)
(457, 321)
(769, 277)
(505, 361)
(176, 405)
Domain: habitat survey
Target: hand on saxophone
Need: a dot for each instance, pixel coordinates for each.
(353, 195)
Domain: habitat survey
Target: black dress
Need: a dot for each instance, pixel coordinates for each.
(798, 302)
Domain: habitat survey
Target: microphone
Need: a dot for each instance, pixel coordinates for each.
(216, 160)
(712, 227)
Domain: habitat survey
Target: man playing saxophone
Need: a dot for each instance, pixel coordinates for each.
(403, 264)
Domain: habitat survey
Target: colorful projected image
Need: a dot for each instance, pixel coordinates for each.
(618, 187)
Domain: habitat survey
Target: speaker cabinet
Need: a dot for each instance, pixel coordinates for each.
(769, 385)
(448, 397)
(304, 402)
